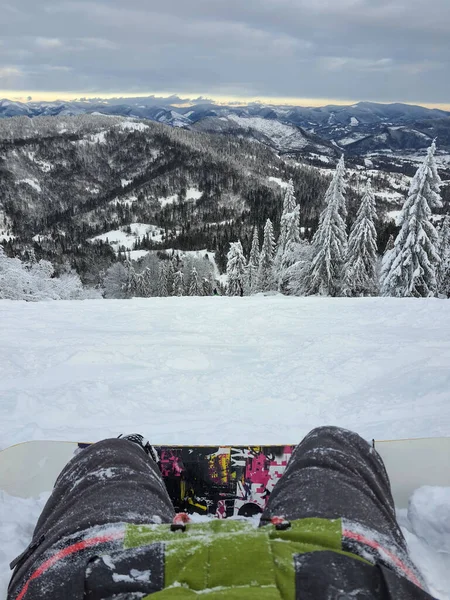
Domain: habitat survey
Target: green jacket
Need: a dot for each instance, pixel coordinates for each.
(234, 560)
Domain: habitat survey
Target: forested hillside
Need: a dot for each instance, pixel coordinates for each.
(65, 180)
(83, 191)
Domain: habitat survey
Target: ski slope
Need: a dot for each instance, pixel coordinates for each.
(228, 370)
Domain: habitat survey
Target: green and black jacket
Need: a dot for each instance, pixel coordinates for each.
(308, 559)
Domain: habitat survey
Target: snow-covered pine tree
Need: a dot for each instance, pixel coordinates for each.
(235, 269)
(171, 270)
(207, 286)
(178, 284)
(329, 244)
(289, 233)
(361, 262)
(389, 245)
(163, 288)
(444, 255)
(266, 280)
(131, 284)
(146, 284)
(410, 269)
(252, 266)
(340, 187)
(115, 281)
(195, 288)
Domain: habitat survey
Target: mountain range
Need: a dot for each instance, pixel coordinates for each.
(358, 129)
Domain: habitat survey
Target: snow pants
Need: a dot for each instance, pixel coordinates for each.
(333, 474)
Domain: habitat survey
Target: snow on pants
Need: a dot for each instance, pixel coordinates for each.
(332, 474)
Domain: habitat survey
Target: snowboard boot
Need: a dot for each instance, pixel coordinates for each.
(143, 443)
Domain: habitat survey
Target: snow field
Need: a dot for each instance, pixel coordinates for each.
(119, 238)
(217, 370)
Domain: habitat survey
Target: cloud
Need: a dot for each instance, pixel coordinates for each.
(387, 50)
(43, 42)
(9, 72)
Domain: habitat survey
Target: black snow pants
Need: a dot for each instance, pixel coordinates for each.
(333, 474)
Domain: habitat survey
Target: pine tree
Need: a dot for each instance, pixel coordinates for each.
(389, 244)
(235, 269)
(266, 279)
(163, 288)
(170, 270)
(329, 244)
(289, 233)
(444, 255)
(361, 263)
(178, 284)
(207, 286)
(253, 263)
(131, 284)
(195, 289)
(289, 201)
(146, 283)
(410, 269)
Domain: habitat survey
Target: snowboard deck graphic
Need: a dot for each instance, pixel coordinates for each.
(224, 481)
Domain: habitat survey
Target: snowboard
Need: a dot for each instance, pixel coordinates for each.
(225, 481)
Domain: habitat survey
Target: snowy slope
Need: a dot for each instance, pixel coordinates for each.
(227, 370)
(119, 238)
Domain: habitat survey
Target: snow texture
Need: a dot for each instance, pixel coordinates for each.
(228, 370)
(119, 238)
(32, 183)
(281, 134)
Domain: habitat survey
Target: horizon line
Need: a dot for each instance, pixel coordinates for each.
(31, 96)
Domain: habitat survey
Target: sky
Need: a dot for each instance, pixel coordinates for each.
(309, 52)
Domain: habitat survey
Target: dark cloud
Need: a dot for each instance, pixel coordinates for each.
(382, 50)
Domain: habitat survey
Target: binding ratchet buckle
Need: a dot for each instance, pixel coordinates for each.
(179, 522)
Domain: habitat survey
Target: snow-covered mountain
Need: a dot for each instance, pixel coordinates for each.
(137, 186)
(360, 128)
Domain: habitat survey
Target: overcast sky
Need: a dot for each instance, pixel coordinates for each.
(309, 50)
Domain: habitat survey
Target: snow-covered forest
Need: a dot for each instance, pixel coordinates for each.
(415, 264)
(137, 209)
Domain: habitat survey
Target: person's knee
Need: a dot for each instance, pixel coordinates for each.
(331, 436)
(329, 430)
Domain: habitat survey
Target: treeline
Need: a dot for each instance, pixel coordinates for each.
(335, 263)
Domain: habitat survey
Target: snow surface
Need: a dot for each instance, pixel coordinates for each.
(119, 238)
(224, 370)
(192, 193)
(32, 183)
(282, 134)
(133, 126)
(279, 181)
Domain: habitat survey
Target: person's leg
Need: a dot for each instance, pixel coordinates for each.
(334, 473)
(111, 482)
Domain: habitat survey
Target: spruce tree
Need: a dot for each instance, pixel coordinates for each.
(389, 244)
(329, 245)
(132, 283)
(289, 233)
(163, 288)
(170, 272)
(361, 263)
(235, 269)
(146, 284)
(444, 255)
(195, 288)
(253, 263)
(411, 268)
(207, 286)
(178, 284)
(266, 280)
